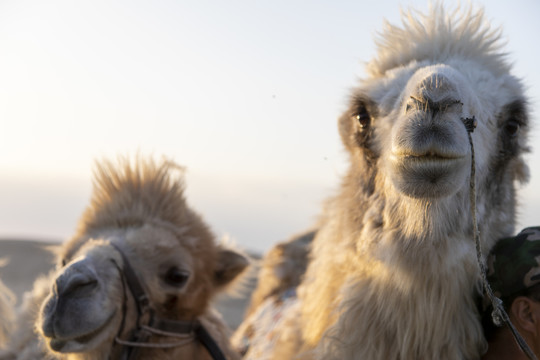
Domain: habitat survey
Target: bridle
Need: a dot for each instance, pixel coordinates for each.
(148, 324)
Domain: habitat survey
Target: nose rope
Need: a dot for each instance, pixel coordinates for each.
(186, 339)
(498, 315)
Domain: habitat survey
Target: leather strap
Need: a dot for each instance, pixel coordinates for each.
(209, 343)
(141, 299)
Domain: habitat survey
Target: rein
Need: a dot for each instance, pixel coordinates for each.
(498, 315)
(148, 324)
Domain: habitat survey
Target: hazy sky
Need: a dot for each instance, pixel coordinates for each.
(245, 94)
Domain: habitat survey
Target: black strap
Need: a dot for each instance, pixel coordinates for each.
(209, 343)
(142, 303)
(141, 299)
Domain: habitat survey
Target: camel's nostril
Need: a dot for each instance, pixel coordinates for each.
(76, 285)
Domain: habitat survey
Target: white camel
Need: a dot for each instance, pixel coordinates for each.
(393, 271)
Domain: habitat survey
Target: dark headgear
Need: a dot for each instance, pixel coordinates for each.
(514, 263)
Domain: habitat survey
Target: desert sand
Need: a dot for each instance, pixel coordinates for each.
(28, 259)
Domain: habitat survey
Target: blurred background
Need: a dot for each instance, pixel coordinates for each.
(244, 93)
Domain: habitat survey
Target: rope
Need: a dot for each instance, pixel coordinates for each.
(499, 315)
(153, 345)
(166, 333)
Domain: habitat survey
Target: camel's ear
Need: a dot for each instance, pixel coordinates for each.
(230, 265)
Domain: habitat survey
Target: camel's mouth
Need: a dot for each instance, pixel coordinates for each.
(428, 155)
(430, 174)
(429, 161)
(79, 343)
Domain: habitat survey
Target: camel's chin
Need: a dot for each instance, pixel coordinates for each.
(429, 177)
(66, 346)
(82, 343)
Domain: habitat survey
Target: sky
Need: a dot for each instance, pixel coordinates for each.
(244, 93)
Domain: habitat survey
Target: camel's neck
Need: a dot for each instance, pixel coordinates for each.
(397, 262)
(425, 240)
(402, 268)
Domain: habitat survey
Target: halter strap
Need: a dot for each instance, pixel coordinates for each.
(141, 299)
(209, 343)
(148, 323)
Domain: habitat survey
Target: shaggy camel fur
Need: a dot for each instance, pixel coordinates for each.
(138, 209)
(6, 312)
(393, 271)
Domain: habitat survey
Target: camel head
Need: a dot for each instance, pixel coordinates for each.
(138, 218)
(405, 130)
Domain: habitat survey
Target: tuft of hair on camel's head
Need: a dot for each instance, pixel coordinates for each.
(138, 225)
(393, 271)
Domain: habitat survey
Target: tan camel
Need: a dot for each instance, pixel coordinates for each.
(393, 271)
(137, 278)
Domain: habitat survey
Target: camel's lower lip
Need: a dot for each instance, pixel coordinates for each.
(63, 344)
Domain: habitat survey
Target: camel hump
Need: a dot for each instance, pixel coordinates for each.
(282, 268)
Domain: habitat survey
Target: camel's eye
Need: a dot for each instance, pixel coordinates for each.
(512, 128)
(514, 116)
(363, 118)
(176, 277)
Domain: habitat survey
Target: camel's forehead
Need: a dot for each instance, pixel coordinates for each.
(150, 238)
(95, 249)
(146, 242)
(156, 242)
